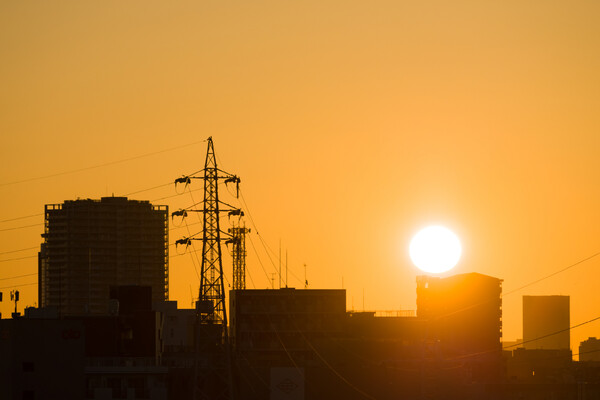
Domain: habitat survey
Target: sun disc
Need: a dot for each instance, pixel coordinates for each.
(435, 249)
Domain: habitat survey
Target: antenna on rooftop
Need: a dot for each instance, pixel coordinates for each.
(305, 279)
(14, 296)
(286, 268)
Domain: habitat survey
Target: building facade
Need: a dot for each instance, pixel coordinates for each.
(41, 359)
(279, 340)
(273, 323)
(462, 315)
(92, 245)
(464, 312)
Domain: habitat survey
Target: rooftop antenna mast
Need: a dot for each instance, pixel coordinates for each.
(14, 296)
(305, 279)
(238, 254)
(212, 367)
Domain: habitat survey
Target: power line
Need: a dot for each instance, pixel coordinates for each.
(549, 354)
(41, 214)
(23, 217)
(128, 194)
(502, 295)
(265, 245)
(193, 254)
(35, 247)
(147, 190)
(554, 273)
(342, 378)
(18, 276)
(183, 226)
(530, 340)
(99, 165)
(274, 329)
(18, 286)
(42, 224)
(586, 352)
(174, 195)
(18, 258)
(16, 251)
(20, 227)
(263, 242)
(553, 333)
(258, 258)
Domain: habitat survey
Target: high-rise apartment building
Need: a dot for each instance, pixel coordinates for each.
(546, 322)
(91, 245)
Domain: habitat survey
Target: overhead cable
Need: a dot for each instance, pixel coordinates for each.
(99, 165)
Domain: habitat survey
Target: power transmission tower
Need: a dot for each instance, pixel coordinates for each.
(212, 366)
(238, 254)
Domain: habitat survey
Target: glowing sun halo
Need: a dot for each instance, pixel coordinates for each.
(435, 249)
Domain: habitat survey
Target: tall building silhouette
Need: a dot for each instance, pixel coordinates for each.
(92, 245)
(464, 312)
(463, 323)
(546, 322)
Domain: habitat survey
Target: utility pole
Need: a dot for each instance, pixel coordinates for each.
(212, 366)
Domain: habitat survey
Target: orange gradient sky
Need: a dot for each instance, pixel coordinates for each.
(352, 125)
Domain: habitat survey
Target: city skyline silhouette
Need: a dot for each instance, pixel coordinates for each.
(124, 338)
(352, 127)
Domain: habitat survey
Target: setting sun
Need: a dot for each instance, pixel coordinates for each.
(435, 249)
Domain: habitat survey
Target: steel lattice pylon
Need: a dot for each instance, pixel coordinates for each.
(212, 367)
(212, 291)
(238, 254)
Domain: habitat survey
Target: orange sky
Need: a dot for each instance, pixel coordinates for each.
(352, 124)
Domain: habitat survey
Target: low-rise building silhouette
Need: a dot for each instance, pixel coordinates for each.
(304, 341)
(589, 350)
(124, 350)
(276, 334)
(106, 357)
(179, 355)
(42, 358)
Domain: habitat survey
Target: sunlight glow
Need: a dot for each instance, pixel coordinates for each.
(435, 249)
